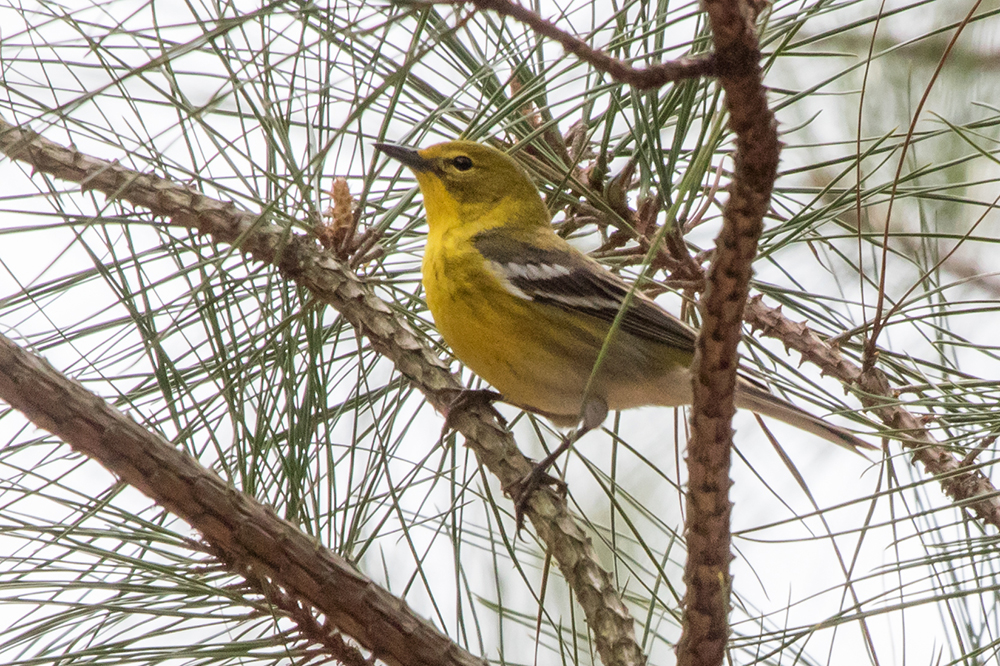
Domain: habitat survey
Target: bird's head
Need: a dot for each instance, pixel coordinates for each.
(466, 180)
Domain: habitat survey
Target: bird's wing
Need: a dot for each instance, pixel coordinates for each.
(559, 275)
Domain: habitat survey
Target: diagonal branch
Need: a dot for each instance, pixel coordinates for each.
(252, 540)
(302, 260)
(963, 482)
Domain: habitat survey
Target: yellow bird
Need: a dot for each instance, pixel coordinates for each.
(535, 317)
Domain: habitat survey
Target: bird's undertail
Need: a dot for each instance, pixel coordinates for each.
(758, 400)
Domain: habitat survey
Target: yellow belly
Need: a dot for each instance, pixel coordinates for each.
(542, 357)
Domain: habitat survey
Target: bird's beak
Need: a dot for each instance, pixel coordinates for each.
(408, 156)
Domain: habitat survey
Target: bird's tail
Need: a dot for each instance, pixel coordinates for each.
(759, 400)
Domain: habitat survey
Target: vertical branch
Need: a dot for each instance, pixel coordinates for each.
(706, 574)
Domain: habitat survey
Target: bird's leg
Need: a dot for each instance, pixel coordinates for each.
(466, 399)
(595, 410)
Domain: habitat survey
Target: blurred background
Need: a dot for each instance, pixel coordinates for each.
(838, 559)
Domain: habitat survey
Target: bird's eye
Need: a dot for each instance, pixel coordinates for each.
(462, 163)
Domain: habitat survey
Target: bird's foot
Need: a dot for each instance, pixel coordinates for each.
(521, 490)
(592, 415)
(464, 399)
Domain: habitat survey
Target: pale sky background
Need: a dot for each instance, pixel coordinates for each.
(780, 559)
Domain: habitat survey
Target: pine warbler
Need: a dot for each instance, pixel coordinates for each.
(536, 318)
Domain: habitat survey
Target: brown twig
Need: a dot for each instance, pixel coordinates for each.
(705, 630)
(646, 78)
(879, 322)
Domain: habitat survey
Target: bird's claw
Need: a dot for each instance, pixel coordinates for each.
(521, 490)
(467, 399)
